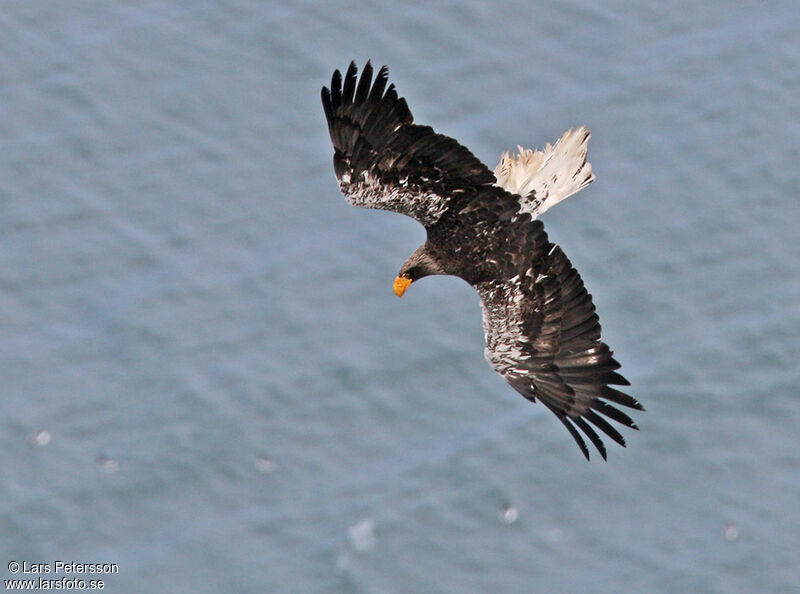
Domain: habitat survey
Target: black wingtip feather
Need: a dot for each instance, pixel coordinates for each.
(336, 88)
(614, 413)
(364, 83)
(613, 395)
(380, 84)
(595, 439)
(604, 426)
(575, 435)
(349, 89)
(326, 104)
(617, 379)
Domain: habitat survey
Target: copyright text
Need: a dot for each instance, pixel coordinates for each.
(57, 575)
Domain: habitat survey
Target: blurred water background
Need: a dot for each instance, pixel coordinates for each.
(207, 380)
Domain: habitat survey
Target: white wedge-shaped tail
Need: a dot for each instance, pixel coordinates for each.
(543, 178)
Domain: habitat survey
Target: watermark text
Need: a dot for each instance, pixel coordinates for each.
(57, 575)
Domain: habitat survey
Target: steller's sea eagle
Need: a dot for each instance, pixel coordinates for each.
(542, 332)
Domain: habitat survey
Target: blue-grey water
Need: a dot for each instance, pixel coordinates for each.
(207, 380)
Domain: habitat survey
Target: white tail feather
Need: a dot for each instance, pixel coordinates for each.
(543, 178)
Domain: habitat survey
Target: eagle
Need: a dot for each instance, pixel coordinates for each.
(542, 331)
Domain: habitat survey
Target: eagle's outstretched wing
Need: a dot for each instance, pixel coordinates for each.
(383, 160)
(543, 337)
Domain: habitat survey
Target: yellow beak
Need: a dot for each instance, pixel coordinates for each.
(401, 283)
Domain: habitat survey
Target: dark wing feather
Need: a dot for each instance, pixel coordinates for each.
(543, 336)
(383, 160)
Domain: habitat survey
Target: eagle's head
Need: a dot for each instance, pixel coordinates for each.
(419, 264)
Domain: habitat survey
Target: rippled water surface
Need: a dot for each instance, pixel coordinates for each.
(207, 380)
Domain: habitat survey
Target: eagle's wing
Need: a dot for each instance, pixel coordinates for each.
(383, 160)
(543, 337)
